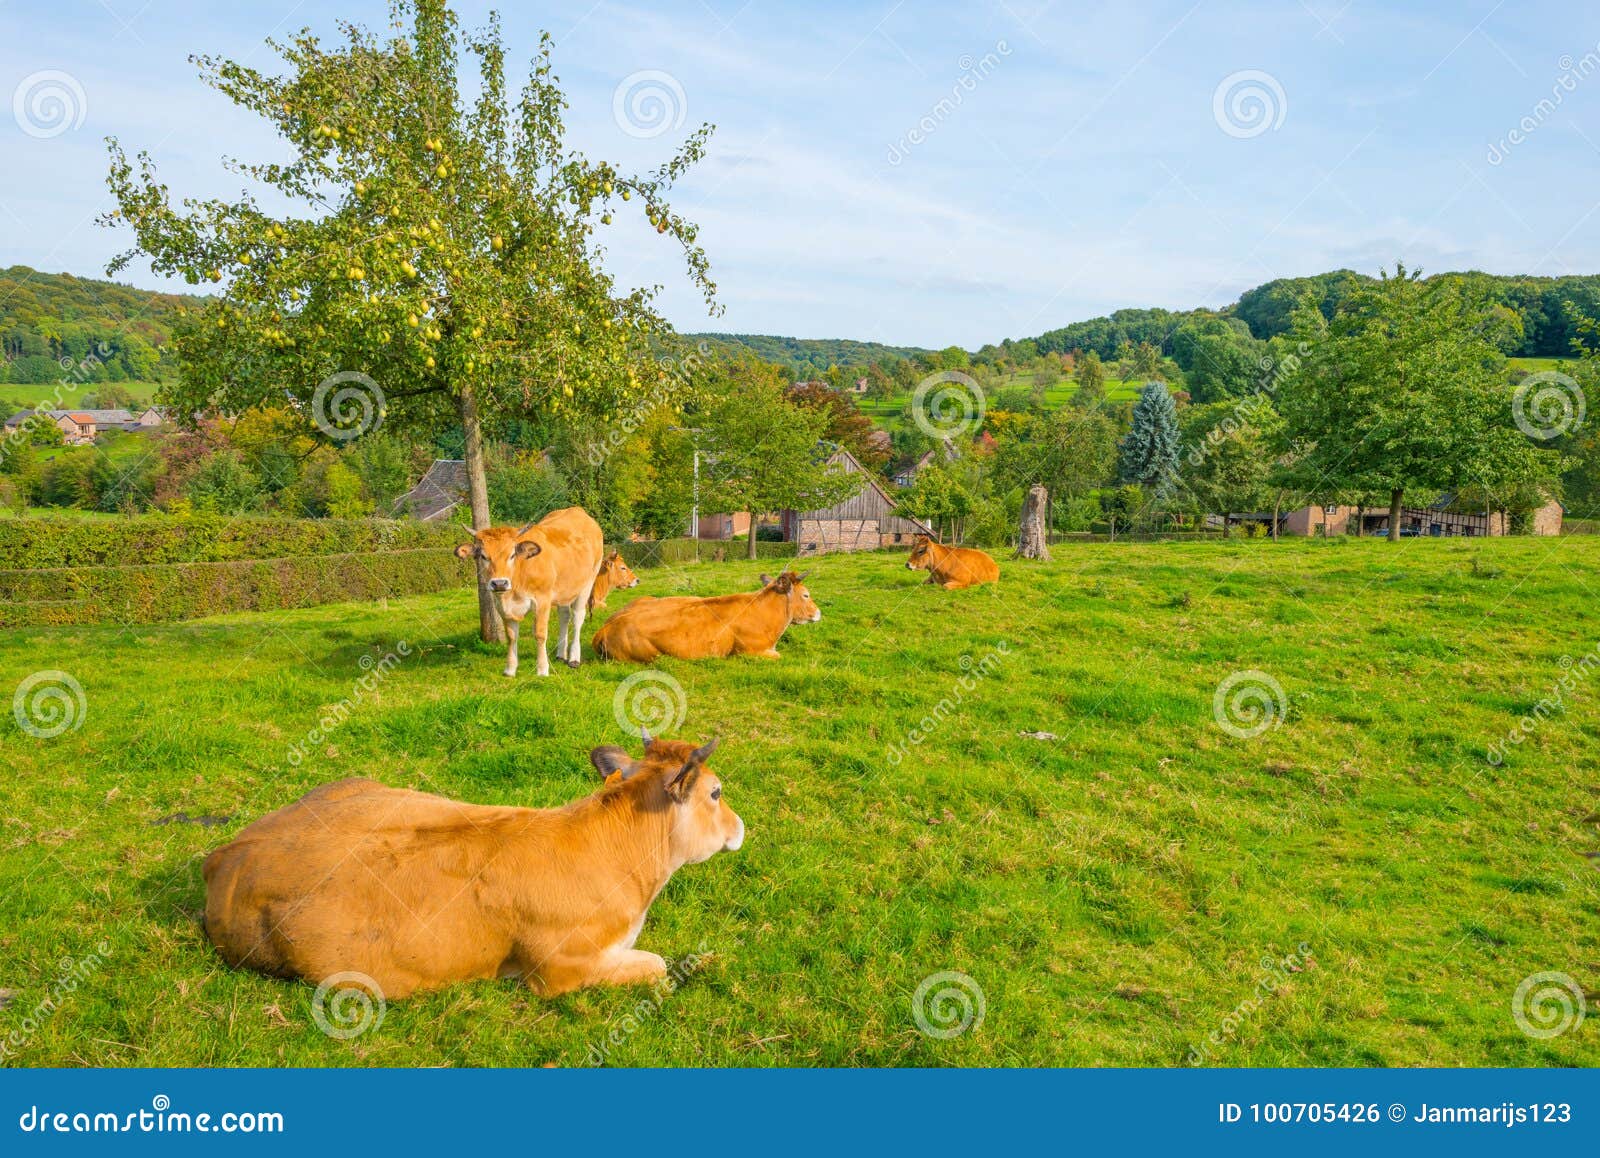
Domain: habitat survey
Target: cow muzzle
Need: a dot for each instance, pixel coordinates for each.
(499, 586)
(737, 839)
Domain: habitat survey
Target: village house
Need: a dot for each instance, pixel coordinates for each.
(1443, 519)
(436, 494)
(81, 427)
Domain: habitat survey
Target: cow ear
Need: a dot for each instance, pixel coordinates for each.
(680, 782)
(528, 549)
(609, 760)
(465, 550)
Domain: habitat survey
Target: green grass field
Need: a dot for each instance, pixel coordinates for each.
(1120, 893)
(887, 412)
(29, 395)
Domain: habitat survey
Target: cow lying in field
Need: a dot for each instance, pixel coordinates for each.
(691, 628)
(417, 891)
(952, 567)
(615, 575)
(551, 563)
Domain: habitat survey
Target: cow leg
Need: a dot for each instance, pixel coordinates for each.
(579, 613)
(541, 631)
(627, 967)
(513, 628)
(564, 617)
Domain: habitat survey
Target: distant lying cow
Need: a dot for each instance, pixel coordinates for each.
(615, 574)
(952, 567)
(691, 628)
(417, 891)
(551, 563)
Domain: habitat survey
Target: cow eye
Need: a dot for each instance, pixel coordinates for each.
(716, 794)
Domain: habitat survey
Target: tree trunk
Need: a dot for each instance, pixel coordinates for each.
(750, 549)
(491, 628)
(1277, 513)
(1227, 524)
(1361, 519)
(1394, 515)
(1033, 541)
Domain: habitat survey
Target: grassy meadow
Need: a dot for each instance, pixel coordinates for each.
(25, 394)
(1118, 890)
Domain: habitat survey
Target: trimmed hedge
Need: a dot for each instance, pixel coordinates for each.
(161, 593)
(30, 544)
(675, 552)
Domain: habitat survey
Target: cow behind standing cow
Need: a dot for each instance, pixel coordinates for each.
(553, 562)
(615, 575)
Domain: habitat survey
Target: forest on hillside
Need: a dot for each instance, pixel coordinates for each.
(56, 327)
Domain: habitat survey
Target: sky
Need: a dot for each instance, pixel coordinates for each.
(926, 174)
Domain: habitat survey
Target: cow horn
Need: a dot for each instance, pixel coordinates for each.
(644, 735)
(703, 753)
(801, 578)
(528, 528)
(471, 534)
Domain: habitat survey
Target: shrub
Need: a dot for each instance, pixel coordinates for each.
(27, 544)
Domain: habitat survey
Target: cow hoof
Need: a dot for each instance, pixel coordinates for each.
(510, 675)
(573, 664)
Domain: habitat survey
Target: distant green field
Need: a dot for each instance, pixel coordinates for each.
(31, 394)
(1026, 793)
(1538, 365)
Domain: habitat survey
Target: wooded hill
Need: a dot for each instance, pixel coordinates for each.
(46, 318)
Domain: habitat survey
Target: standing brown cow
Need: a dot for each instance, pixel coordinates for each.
(416, 891)
(690, 628)
(551, 563)
(952, 567)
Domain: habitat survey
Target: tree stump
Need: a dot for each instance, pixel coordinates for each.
(1034, 541)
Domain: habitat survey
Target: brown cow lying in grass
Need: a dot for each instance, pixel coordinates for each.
(952, 567)
(615, 575)
(691, 628)
(417, 891)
